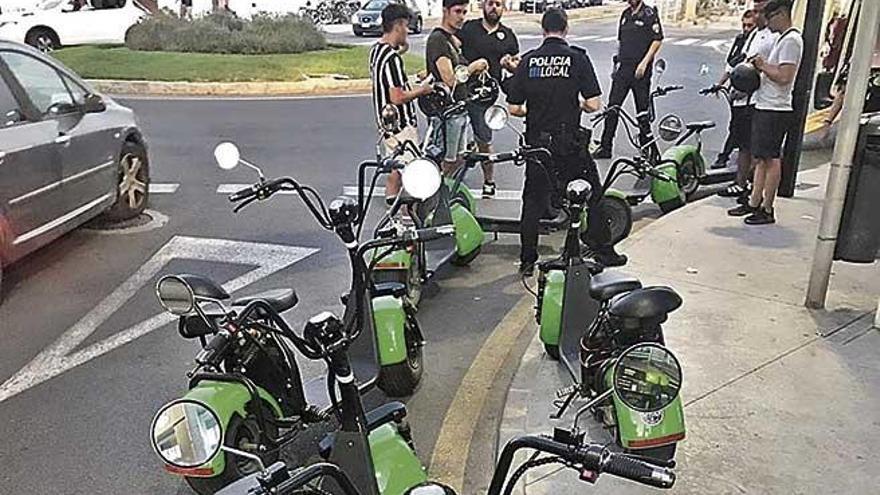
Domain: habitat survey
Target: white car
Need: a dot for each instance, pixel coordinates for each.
(50, 24)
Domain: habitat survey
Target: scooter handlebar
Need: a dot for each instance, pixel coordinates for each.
(430, 234)
(635, 470)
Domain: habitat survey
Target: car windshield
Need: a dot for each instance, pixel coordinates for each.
(376, 5)
(49, 4)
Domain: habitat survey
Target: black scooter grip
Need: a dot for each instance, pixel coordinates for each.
(639, 471)
(434, 233)
(244, 193)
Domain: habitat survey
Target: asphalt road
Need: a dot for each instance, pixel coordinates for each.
(80, 423)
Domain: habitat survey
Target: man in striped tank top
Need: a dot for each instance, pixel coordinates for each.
(391, 86)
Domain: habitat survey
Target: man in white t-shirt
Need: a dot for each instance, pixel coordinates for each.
(773, 110)
(759, 43)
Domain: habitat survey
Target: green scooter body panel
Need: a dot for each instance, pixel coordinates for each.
(634, 426)
(663, 191)
(551, 307)
(226, 400)
(463, 191)
(680, 153)
(388, 320)
(468, 233)
(399, 259)
(396, 466)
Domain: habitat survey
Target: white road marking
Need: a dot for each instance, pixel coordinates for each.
(379, 192)
(714, 43)
(159, 188)
(586, 38)
(239, 98)
(687, 42)
(608, 38)
(158, 221)
(59, 357)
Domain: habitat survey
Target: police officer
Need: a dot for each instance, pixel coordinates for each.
(552, 85)
(639, 36)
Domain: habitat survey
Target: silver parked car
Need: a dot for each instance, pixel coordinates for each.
(67, 154)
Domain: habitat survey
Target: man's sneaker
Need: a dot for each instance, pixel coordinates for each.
(488, 190)
(602, 153)
(526, 268)
(761, 217)
(743, 198)
(732, 190)
(610, 257)
(742, 210)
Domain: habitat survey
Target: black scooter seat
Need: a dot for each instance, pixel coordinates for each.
(648, 302)
(386, 413)
(204, 287)
(279, 299)
(700, 126)
(609, 283)
(395, 289)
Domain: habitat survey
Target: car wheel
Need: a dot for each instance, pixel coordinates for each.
(133, 183)
(358, 32)
(43, 39)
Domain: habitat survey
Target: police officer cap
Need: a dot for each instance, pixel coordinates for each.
(452, 3)
(745, 77)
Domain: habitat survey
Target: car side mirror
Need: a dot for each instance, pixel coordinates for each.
(94, 104)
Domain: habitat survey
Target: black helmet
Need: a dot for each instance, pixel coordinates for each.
(745, 78)
(433, 103)
(485, 88)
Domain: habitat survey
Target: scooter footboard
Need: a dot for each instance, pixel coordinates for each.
(648, 430)
(227, 400)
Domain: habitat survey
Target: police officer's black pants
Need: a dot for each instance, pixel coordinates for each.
(537, 194)
(622, 82)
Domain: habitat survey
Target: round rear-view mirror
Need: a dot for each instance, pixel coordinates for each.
(186, 434)
(496, 117)
(647, 377)
(670, 127)
(227, 155)
(421, 178)
(462, 74)
(175, 295)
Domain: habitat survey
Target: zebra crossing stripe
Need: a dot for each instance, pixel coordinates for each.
(687, 42)
(159, 188)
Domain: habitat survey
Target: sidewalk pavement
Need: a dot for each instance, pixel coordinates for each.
(778, 398)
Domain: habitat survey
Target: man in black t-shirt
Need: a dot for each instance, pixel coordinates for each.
(442, 55)
(552, 85)
(639, 36)
(489, 39)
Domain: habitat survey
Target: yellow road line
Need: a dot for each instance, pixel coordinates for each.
(449, 460)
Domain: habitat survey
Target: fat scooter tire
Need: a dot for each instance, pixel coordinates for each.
(402, 379)
(552, 351)
(239, 430)
(618, 214)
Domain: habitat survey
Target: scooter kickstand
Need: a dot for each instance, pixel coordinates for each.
(568, 394)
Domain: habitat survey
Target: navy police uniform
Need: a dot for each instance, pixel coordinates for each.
(548, 81)
(635, 34)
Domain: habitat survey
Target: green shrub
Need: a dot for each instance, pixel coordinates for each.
(224, 33)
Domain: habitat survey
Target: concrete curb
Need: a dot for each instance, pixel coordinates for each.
(316, 86)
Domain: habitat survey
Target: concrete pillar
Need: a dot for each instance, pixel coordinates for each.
(690, 10)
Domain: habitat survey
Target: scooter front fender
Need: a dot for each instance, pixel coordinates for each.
(389, 320)
(682, 152)
(396, 466)
(468, 233)
(609, 193)
(470, 202)
(551, 307)
(227, 400)
(639, 430)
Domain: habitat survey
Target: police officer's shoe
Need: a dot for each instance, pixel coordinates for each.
(526, 268)
(602, 153)
(610, 257)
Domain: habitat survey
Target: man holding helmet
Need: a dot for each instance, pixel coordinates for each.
(488, 39)
(552, 85)
(759, 43)
(442, 56)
